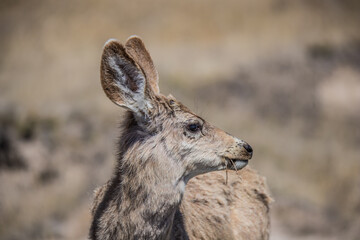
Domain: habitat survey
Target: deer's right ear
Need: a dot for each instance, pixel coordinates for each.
(123, 81)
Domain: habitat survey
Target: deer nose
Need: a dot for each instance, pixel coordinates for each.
(248, 148)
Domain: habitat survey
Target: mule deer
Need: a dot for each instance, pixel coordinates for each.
(163, 148)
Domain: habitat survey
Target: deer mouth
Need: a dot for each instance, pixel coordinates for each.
(236, 164)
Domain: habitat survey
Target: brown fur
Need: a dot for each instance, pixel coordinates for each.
(164, 146)
(136, 49)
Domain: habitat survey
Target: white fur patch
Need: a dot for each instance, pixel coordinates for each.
(182, 186)
(110, 40)
(136, 101)
(239, 141)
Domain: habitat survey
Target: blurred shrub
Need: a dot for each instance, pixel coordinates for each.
(10, 157)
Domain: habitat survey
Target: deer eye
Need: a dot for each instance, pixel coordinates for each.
(193, 127)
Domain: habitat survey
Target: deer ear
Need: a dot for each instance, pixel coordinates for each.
(123, 80)
(136, 49)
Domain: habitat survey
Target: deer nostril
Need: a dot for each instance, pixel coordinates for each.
(248, 148)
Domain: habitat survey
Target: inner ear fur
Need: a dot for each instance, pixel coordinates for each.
(121, 78)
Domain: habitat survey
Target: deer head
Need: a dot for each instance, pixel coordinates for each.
(174, 135)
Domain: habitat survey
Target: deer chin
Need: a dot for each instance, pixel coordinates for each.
(235, 163)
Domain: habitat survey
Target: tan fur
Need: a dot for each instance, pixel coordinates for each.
(164, 146)
(236, 210)
(98, 196)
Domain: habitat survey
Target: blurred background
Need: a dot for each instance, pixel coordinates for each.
(282, 74)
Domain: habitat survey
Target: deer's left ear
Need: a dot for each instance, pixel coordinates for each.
(124, 79)
(136, 49)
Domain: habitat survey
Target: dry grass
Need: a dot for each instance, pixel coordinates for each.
(283, 75)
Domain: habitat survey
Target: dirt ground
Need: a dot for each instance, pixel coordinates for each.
(283, 75)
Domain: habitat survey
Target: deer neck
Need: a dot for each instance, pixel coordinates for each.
(140, 203)
(149, 200)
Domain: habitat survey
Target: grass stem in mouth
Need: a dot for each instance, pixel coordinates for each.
(226, 168)
(226, 172)
(233, 164)
(226, 179)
